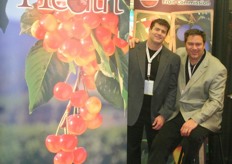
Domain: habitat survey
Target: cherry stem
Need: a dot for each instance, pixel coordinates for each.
(69, 106)
(67, 76)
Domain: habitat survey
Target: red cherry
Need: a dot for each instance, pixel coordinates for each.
(114, 30)
(78, 17)
(63, 58)
(52, 143)
(91, 68)
(62, 91)
(71, 48)
(68, 142)
(93, 105)
(120, 42)
(95, 123)
(85, 58)
(95, 65)
(109, 20)
(87, 44)
(79, 98)
(65, 29)
(80, 30)
(93, 20)
(52, 41)
(37, 30)
(86, 115)
(103, 35)
(62, 16)
(48, 22)
(64, 158)
(76, 124)
(109, 48)
(80, 155)
(88, 69)
(89, 82)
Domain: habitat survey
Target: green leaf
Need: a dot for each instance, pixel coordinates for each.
(122, 65)
(43, 71)
(27, 19)
(109, 89)
(119, 65)
(103, 60)
(118, 85)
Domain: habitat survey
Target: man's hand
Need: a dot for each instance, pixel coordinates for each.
(132, 42)
(158, 122)
(187, 127)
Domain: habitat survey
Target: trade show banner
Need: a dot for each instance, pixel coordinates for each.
(182, 15)
(63, 92)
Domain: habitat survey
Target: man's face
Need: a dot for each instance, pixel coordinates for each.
(158, 33)
(195, 47)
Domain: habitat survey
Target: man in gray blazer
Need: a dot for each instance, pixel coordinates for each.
(199, 106)
(152, 86)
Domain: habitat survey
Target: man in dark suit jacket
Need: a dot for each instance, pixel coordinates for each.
(152, 86)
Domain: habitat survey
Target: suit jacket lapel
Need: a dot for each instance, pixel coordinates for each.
(197, 75)
(141, 54)
(162, 67)
(182, 78)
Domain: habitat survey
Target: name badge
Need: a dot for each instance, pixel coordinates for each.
(148, 87)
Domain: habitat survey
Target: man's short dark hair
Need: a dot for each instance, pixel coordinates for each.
(162, 22)
(194, 32)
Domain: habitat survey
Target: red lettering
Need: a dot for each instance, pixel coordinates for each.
(77, 6)
(25, 4)
(44, 5)
(116, 8)
(61, 6)
(100, 6)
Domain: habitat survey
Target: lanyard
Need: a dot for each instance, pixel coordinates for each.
(149, 59)
(189, 69)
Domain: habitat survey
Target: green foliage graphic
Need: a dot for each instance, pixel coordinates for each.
(43, 71)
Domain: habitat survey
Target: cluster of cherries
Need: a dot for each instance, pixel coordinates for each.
(87, 116)
(71, 37)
